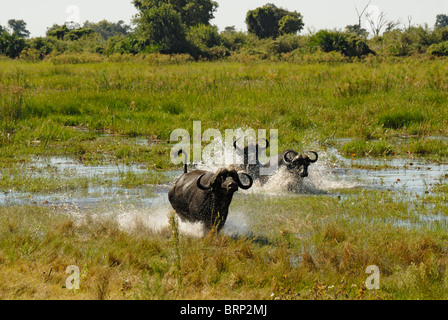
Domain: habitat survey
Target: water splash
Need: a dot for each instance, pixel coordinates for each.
(322, 178)
(237, 224)
(157, 220)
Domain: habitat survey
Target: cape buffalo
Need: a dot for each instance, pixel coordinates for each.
(250, 153)
(204, 196)
(294, 163)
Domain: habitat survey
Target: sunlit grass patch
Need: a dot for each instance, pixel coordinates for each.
(368, 148)
(428, 147)
(443, 188)
(399, 119)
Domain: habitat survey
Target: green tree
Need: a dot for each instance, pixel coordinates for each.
(58, 31)
(18, 27)
(108, 29)
(163, 27)
(290, 24)
(269, 21)
(441, 21)
(230, 29)
(356, 29)
(192, 12)
(11, 45)
(64, 33)
(196, 12)
(206, 42)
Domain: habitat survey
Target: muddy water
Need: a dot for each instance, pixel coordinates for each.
(130, 207)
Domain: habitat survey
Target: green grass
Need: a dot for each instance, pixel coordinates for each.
(42, 104)
(400, 119)
(368, 148)
(441, 188)
(299, 248)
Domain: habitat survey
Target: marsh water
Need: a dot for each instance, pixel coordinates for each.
(329, 177)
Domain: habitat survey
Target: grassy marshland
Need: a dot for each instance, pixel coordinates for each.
(299, 247)
(63, 109)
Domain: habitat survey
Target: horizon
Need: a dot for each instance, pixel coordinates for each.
(40, 15)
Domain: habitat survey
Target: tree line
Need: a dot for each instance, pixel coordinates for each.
(183, 27)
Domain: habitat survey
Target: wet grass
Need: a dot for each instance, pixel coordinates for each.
(49, 180)
(362, 148)
(400, 119)
(299, 247)
(431, 149)
(441, 188)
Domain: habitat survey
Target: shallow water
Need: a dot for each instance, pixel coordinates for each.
(408, 177)
(325, 177)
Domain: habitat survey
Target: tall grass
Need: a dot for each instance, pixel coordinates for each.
(400, 119)
(298, 247)
(366, 99)
(362, 148)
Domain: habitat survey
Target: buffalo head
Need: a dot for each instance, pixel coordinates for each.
(296, 161)
(224, 181)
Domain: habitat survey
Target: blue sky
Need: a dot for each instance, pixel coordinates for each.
(318, 14)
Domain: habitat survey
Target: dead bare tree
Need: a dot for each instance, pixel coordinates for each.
(361, 14)
(409, 22)
(391, 25)
(376, 22)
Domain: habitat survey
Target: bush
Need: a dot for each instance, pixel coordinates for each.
(439, 49)
(43, 46)
(11, 45)
(441, 34)
(30, 54)
(128, 44)
(356, 47)
(348, 44)
(206, 42)
(286, 43)
(234, 41)
(396, 43)
(419, 38)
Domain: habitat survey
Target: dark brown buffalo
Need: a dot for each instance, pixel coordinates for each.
(295, 163)
(204, 196)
